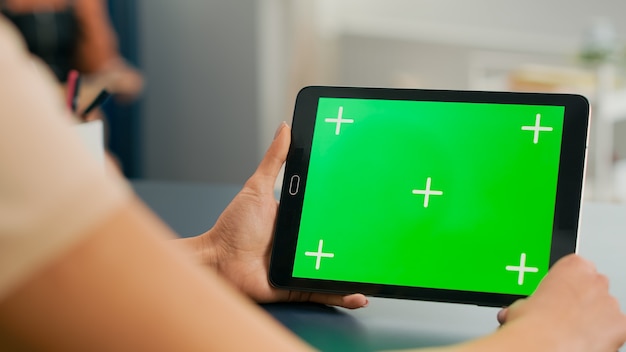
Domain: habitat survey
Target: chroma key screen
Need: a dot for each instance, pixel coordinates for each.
(448, 195)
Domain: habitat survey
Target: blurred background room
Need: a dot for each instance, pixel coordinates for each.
(220, 75)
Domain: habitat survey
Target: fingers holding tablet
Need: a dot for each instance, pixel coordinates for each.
(452, 196)
(572, 305)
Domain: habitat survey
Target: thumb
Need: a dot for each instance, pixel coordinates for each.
(276, 154)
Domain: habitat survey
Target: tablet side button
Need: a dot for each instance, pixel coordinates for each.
(294, 185)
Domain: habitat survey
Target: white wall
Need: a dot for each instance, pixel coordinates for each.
(376, 61)
(527, 25)
(222, 73)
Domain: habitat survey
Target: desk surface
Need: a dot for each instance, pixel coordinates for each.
(191, 209)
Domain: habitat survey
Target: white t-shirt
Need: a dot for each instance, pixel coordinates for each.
(52, 190)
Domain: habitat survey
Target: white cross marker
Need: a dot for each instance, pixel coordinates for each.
(522, 268)
(537, 128)
(319, 254)
(427, 192)
(339, 120)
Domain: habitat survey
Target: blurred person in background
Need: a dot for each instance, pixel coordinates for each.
(75, 35)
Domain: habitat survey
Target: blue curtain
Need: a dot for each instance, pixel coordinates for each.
(124, 124)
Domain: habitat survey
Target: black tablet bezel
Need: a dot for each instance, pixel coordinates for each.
(568, 198)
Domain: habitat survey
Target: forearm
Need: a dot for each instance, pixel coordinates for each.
(124, 288)
(520, 336)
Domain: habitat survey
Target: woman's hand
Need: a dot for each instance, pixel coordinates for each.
(239, 244)
(571, 309)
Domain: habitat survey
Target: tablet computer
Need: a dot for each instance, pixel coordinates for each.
(452, 196)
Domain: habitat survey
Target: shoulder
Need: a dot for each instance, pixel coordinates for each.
(12, 45)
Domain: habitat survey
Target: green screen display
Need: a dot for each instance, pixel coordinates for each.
(447, 195)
